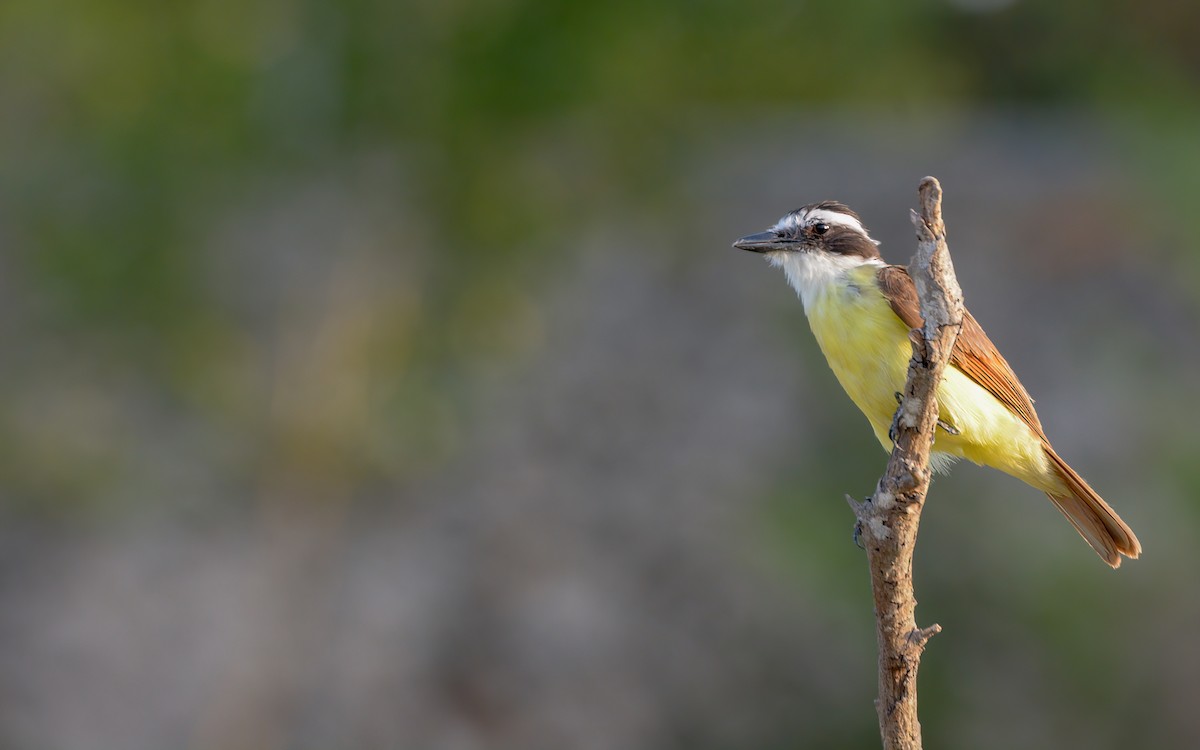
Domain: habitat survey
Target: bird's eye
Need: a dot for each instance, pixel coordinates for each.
(820, 228)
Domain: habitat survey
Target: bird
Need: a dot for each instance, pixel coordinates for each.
(861, 310)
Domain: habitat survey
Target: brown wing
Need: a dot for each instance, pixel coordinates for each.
(974, 353)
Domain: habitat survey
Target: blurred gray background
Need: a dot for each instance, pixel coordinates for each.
(381, 375)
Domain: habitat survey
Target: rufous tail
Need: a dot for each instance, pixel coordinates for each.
(1090, 515)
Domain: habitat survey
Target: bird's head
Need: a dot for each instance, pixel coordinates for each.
(829, 228)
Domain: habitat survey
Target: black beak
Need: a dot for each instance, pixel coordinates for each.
(764, 242)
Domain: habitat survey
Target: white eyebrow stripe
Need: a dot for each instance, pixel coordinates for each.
(792, 221)
(835, 217)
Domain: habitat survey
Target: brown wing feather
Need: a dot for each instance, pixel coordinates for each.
(974, 353)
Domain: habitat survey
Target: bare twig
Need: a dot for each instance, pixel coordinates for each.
(889, 520)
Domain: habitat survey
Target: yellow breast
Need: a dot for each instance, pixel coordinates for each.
(867, 347)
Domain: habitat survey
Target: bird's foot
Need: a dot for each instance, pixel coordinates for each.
(894, 428)
(856, 535)
(949, 428)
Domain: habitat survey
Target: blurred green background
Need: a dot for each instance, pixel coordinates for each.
(380, 374)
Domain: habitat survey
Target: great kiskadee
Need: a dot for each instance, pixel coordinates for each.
(861, 310)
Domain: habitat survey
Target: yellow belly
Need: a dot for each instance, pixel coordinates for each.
(867, 347)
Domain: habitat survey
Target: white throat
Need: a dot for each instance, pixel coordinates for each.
(813, 274)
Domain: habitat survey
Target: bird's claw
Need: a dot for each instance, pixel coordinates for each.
(894, 429)
(856, 535)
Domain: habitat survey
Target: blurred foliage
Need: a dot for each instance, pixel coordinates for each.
(130, 122)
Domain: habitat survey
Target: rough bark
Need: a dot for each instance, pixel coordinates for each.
(890, 518)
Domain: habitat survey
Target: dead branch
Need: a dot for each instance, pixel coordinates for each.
(889, 519)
